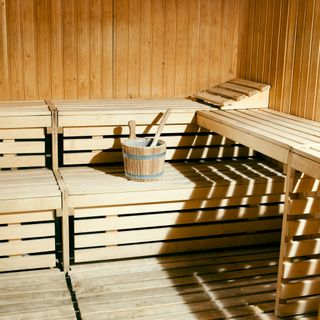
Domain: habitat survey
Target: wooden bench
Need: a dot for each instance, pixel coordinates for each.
(30, 196)
(295, 142)
(224, 198)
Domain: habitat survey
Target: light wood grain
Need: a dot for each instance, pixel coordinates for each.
(104, 49)
(284, 53)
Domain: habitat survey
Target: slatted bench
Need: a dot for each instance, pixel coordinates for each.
(214, 193)
(30, 196)
(295, 142)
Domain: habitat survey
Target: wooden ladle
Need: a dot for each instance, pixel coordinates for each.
(132, 129)
(160, 128)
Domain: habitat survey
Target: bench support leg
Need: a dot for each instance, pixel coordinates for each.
(65, 231)
(289, 185)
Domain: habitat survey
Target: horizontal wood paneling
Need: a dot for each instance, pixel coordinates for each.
(151, 48)
(279, 44)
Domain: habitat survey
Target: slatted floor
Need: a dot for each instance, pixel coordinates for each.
(234, 284)
(33, 295)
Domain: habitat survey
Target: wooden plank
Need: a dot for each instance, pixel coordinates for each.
(26, 247)
(226, 93)
(115, 143)
(163, 206)
(170, 247)
(103, 119)
(304, 287)
(25, 122)
(171, 154)
(251, 84)
(37, 133)
(300, 269)
(107, 49)
(22, 161)
(83, 44)
(26, 217)
(171, 266)
(303, 248)
(27, 262)
(303, 306)
(27, 231)
(307, 205)
(134, 28)
(22, 147)
(214, 99)
(111, 130)
(302, 227)
(121, 66)
(30, 54)
(42, 39)
(171, 233)
(69, 49)
(31, 204)
(56, 52)
(238, 88)
(172, 218)
(162, 263)
(181, 47)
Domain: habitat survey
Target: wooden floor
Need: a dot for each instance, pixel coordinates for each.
(33, 295)
(234, 284)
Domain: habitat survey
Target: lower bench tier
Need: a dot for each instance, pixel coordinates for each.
(195, 206)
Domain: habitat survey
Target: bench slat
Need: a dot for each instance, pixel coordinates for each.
(27, 262)
(139, 250)
(22, 147)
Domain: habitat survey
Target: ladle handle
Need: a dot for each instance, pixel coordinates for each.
(160, 128)
(132, 129)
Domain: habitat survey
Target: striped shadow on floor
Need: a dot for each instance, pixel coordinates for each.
(233, 284)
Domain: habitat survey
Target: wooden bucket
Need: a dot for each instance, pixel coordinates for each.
(143, 163)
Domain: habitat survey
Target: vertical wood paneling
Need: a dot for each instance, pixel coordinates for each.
(56, 74)
(193, 48)
(107, 49)
(134, 49)
(83, 47)
(95, 50)
(170, 48)
(314, 76)
(145, 49)
(121, 47)
(5, 93)
(71, 49)
(157, 48)
(286, 54)
(29, 37)
(15, 50)
(181, 50)
(204, 44)
(43, 46)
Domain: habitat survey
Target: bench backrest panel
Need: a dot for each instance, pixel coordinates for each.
(92, 131)
(22, 134)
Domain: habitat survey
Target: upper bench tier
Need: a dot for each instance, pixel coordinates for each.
(79, 113)
(272, 133)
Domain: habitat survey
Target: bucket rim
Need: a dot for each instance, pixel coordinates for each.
(161, 145)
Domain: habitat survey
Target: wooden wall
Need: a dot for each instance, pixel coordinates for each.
(279, 44)
(123, 48)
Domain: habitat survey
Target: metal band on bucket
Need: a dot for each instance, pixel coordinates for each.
(141, 176)
(144, 157)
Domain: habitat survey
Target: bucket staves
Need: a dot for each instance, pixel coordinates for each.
(141, 162)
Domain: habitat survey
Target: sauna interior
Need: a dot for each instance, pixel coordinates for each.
(231, 231)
